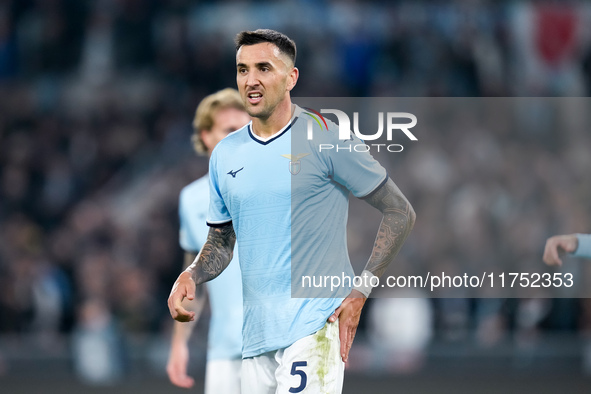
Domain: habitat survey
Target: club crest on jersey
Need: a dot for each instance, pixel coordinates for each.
(295, 165)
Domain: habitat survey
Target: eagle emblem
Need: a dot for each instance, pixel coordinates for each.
(295, 165)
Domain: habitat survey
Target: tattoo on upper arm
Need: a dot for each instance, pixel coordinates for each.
(398, 220)
(215, 254)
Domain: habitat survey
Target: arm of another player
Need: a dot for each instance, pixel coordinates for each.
(397, 222)
(577, 244)
(178, 358)
(215, 256)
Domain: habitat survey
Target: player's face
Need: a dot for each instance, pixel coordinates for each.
(265, 77)
(225, 121)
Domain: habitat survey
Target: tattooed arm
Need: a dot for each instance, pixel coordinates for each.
(215, 256)
(398, 220)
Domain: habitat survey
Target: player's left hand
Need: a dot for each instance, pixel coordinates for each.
(348, 314)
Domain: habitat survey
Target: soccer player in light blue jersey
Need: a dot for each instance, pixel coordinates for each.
(286, 204)
(217, 115)
(579, 245)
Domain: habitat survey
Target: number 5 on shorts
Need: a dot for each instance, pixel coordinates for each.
(304, 378)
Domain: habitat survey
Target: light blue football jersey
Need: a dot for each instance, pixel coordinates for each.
(288, 203)
(225, 291)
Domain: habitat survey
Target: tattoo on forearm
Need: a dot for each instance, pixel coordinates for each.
(215, 254)
(398, 220)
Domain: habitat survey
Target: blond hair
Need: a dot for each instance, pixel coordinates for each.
(203, 120)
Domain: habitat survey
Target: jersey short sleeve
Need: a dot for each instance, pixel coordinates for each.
(355, 168)
(193, 207)
(218, 211)
(584, 248)
(187, 239)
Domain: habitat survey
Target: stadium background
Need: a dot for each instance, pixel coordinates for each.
(96, 100)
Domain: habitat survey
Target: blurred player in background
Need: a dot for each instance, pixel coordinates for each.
(217, 115)
(296, 345)
(577, 244)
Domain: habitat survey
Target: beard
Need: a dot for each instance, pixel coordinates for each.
(260, 112)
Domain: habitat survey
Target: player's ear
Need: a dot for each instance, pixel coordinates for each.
(292, 79)
(206, 137)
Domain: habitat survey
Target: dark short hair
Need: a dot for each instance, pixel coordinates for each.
(280, 40)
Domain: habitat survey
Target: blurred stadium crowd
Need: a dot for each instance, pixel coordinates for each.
(96, 101)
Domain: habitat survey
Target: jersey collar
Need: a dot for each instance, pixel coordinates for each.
(268, 140)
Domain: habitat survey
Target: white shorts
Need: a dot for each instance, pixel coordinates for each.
(311, 365)
(223, 376)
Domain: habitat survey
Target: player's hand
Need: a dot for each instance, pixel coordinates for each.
(177, 366)
(348, 314)
(184, 287)
(557, 245)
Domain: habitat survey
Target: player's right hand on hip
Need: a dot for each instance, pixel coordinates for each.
(184, 287)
